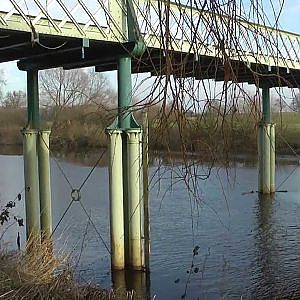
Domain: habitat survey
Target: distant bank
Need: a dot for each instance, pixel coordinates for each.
(82, 129)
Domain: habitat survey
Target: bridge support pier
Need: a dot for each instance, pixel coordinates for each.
(36, 166)
(116, 200)
(125, 169)
(31, 182)
(266, 147)
(272, 159)
(44, 184)
(136, 258)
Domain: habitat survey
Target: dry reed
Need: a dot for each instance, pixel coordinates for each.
(35, 273)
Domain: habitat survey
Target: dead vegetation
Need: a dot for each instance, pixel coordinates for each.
(35, 273)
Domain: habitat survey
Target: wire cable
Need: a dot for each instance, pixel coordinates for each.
(51, 48)
(295, 168)
(58, 165)
(62, 217)
(92, 170)
(101, 238)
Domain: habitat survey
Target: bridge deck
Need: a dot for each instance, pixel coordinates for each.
(43, 38)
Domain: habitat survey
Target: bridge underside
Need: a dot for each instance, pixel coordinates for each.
(42, 52)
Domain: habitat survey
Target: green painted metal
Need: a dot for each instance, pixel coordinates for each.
(124, 92)
(272, 159)
(116, 199)
(259, 155)
(69, 29)
(132, 23)
(44, 183)
(118, 25)
(145, 166)
(266, 106)
(32, 99)
(128, 188)
(118, 13)
(129, 151)
(139, 48)
(32, 206)
(266, 146)
(126, 16)
(142, 203)
(125, 197)
(135, 201)
(30, 156)
(264, 158)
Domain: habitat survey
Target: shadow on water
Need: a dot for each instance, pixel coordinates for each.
(130, 284)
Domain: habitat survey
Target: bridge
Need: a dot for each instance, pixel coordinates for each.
(137, 36)
(195, 41)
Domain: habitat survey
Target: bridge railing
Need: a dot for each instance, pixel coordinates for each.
(187, 29)
(74, 18)
(165, 25)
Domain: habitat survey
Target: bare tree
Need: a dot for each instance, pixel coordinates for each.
(2, 83)
(60, 88)
(296, 103)
(14, 99)
(280, 105)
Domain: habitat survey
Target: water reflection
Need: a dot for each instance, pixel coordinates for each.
(265, 240)
(133, 283)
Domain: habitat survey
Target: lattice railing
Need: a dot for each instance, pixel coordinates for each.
(163, 25)
(74, 18)
(205, 33)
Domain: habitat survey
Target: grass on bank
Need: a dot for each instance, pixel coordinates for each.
(82, 129)
(287, 131)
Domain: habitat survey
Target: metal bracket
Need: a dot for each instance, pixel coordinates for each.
(75, 195)
(34, 37)
(85, 44)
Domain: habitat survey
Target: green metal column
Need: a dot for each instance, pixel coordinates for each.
(145, 166)
(266, 106)
(116, 199)
(44, 183)
(33, 118)
(125, 196)
(124, 92)
(31, 182)
(30, 156)
(125, 180)
(135, 204)
(266, 146)
(272, 159)
(264, 158)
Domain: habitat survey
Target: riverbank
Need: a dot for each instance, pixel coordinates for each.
(82, 129)
(35, 273)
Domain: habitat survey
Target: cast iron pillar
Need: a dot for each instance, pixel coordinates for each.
(30, 156)
(266, 146)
